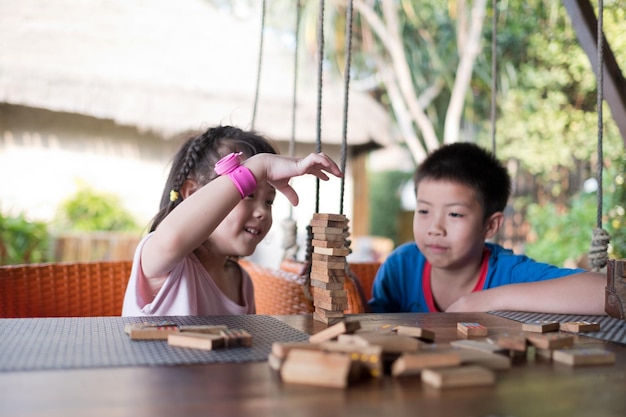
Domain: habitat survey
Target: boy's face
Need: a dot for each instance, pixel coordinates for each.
(448, 224)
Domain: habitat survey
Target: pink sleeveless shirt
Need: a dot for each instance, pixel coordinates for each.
(189, 290)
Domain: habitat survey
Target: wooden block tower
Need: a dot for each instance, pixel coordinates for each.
(328, 266)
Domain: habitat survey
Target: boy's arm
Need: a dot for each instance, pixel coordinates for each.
(581, 293)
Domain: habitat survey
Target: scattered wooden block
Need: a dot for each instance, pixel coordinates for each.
(464, 376)
(580, 357)
(151, 331)
(477, 345)
(364, 358)
(415, 363)
(515, 342)
(204, 341)
(310, 367)
(541, 326)
(332, 332)
(580, 326)
(390, 343)
(551, 341)
(472, 329)
(281, 349)
(417, 332)
(493, 361)
(210, 329)
(236, 338)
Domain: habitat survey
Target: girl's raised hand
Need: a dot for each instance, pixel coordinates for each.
(278, 170)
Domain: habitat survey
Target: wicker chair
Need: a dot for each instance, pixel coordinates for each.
(77, 289)
(358, 286)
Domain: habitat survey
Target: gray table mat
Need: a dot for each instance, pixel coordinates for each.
(100, 342)
(611, 328)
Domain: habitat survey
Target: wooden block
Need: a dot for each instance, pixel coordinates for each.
(327, 231)
(236, 338)
(390, 343)
(330, 217)
(320, 266)
(414, 363)
(329, 293)
(332, 251)
(327, 223)
(326, 285)
(310, 367)
(204, 341)
(274, 362)
(329, 299)
(151, 331)
(516, 342)
(328, 317)
(477, 345)
(551, 341)
(345, 327)
(367, 357)
(464, 376)
(331, 305)
(327, 243)
(472, 329)
(327, 258)
(328, 277)
(329, 272)
(541, 326)
(580, 326)
(210, 329)
(418, 332)
(580, 357)
(281, 349)
(330, 237)
(493, 361)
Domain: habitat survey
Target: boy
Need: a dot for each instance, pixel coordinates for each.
(461, 192)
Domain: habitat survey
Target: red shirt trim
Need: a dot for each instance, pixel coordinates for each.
(427, 289)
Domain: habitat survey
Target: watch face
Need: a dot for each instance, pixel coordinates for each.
(228, 163)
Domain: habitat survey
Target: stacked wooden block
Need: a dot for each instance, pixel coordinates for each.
(328, 265)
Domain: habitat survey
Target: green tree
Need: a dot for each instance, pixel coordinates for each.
(22, 240)
(90, 210)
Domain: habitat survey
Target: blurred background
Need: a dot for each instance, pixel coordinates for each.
(95, 97)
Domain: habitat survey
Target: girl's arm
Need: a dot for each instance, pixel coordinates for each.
(581, 293)
(200, 212)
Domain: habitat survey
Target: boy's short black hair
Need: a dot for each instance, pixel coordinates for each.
(469, 164)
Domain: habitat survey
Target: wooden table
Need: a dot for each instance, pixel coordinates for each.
(536, 388)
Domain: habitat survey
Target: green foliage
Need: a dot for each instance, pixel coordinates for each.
(22, 241)
(562, 234)
(385, 202)
(90, 210)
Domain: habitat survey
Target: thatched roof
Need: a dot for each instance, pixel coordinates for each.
(166, 66)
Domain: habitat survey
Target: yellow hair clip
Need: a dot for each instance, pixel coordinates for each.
(173, 195)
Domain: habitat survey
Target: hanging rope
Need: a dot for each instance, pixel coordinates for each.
(290, 227)
(344, 132)
(494, 78)
(320, 46)
(598, 253)
(258, 72)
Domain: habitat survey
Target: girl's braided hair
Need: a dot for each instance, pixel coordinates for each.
(197, 157)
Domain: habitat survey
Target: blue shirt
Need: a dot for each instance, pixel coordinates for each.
(398, 286)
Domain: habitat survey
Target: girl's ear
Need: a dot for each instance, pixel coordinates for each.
(188, 188)
(493, 224)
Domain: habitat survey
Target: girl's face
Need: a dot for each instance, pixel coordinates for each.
(448, 224)
(247, 224)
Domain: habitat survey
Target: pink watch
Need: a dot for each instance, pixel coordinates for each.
(239, 174)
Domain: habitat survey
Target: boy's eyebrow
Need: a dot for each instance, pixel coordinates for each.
(445, 205)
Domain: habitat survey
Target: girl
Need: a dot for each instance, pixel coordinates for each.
(216, 204)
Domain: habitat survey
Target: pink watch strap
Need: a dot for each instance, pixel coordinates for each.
(239, 174)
